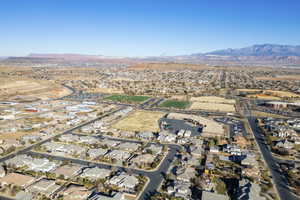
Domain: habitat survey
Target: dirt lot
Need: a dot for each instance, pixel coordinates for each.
(140, 121)
(265, 114)
(269, 94)
(213, 106)
(211, 129)
(105, 91)
(17, 135)
(212, 103)
(263, 96)
(12, 87)
(282, 93)
(213, 99)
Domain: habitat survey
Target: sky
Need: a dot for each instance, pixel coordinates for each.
(144, 27)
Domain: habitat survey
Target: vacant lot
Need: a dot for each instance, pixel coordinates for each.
(213, 107)
(212, 103)
(105, 90)
(265, 114)
(269, 94)
(282, 93)
(140, 121)
(213, 99)
(174, 104)
(27, 88)
(263, 96)
(127, 98)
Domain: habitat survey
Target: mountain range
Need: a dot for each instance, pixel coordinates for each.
(255, 55)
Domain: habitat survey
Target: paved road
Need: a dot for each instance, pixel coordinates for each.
(279, 179)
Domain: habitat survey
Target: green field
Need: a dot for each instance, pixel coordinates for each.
(174, 104)
(127, 98)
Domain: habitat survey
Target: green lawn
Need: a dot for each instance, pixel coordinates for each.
(127, 98)
(174, 104)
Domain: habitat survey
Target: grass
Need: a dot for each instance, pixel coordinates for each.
(174, 104)
(127, 98)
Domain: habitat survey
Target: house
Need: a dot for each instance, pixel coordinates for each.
(44, 186)
(118, 155)
(143, 160)
(166, 137)
(154, 149)
(183, 140)
(110, 143)
(64, 149)
(113, 196)
(284, 144)
(2, 171)
(34, 164)
(146, 135)
(129, 146)
(196, 150)
(124, 181)
(88, 140)
(69, 138)
(95, 153)
(95, 173)
(249, 191)
(232, 149)
(75, 192)
(250, 160)
(30, 138)
(214, 149)
(68, 171)
(187, 175)
(22, 195)
(180, 189)
(181, 132)
(187, 133)
(17, 179)
(213, 196)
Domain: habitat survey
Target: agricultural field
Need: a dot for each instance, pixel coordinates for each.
(174, 104)
(127, 98)
(140, 121)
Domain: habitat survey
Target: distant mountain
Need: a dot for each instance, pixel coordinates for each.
(256, 55)
(260, 50)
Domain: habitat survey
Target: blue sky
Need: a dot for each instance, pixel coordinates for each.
(144, 27)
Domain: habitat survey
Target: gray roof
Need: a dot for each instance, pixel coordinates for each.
(213, 196)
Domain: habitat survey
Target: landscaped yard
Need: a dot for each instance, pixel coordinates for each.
(127, 98)
(174, 104)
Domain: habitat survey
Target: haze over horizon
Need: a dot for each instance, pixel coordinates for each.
(140, 28)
